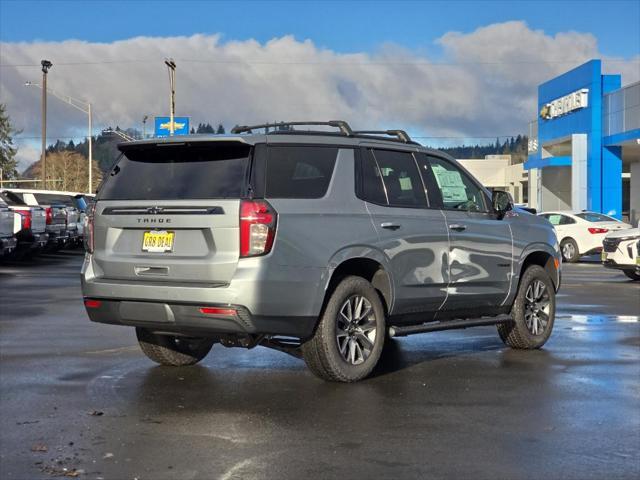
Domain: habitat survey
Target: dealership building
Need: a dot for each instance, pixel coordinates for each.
(584, 146)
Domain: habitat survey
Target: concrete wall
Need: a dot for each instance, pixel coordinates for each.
(497, 173)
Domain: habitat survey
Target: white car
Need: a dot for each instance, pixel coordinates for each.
(621, 250)
(582, 233)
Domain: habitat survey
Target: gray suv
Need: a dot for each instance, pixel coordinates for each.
(319, 244)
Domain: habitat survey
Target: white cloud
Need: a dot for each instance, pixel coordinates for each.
(486, 86)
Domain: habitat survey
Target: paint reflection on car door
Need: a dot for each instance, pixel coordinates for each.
(480, 245)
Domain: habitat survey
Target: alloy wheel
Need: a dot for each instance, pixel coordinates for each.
(356, 330)
(568, 250)
(537, 307)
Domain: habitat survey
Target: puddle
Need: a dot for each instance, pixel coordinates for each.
(600, 318)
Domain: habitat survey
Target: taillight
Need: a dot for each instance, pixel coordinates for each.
(26, 219)
(257, 227)
(88, 228)
(597, 230)
(49, 215)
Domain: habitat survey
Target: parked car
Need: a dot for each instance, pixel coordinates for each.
(582, 233)
(621, 250)
(30, 224)
(8, 240)
(62, 215)
(316, 244)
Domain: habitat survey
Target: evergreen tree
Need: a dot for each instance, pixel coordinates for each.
(8, 150)
(220, 129)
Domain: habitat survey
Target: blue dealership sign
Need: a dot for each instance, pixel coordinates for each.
(180, 126)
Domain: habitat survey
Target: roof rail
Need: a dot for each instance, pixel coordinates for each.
(344, 127)
(399, 134)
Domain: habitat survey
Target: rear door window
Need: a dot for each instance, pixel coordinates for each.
(299, 171)
(371, 186)
(401, 178)
(173, 172)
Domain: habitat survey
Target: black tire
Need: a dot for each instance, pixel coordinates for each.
(520, 333)
(172, 350)
(569, 249)
(335, 338)
(632, 275)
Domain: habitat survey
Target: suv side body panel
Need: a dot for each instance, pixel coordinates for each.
(282, 292)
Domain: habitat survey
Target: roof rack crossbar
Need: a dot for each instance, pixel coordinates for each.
(399, 134)
(344, 127)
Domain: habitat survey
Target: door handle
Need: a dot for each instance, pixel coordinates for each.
(390, 226)
(457, 227)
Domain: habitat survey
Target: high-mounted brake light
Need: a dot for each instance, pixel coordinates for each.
(595, 230)
(25, 219)
(88, 228)
(257, 227)
(49, 215)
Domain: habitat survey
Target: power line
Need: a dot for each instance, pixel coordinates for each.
(321, 63)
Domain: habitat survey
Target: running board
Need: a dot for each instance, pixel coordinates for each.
(446, 325)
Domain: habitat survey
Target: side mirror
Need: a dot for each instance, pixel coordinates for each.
(502, 202)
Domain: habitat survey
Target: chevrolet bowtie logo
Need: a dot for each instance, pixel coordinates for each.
(176, 125)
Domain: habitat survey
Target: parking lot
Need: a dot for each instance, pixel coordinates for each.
(80, 399)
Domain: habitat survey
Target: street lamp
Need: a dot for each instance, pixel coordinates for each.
(46, 65)
(81, 105)
(144, 126)
(171, 65)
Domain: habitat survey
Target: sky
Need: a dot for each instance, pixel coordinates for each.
(465, 70)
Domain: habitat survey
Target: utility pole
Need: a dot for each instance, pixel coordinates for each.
(46, 65)
(84, 107)
(171, 65)
(90, 189)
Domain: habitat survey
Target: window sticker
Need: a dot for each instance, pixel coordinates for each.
(450, 183)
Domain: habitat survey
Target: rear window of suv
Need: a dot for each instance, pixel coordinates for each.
(175, 172)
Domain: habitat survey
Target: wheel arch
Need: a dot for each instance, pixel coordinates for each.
(370, 265)
(545, 258)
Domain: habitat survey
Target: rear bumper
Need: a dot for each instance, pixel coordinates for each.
(186, 318)
(29, 239)
(277, 301)
(7, 244)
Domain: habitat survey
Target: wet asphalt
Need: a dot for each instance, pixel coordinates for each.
(78, 398)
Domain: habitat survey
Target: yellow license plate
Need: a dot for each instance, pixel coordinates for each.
(603, 256)
(157, 241)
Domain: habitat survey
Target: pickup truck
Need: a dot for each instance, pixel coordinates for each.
(56, 217)
(8, 240)
(71, 201)
(31, 224)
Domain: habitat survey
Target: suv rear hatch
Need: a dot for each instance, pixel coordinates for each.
(169, 212)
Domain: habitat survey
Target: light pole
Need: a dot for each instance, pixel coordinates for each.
(84, 107)
(46, 65)
(144, 126)
(171, 65)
